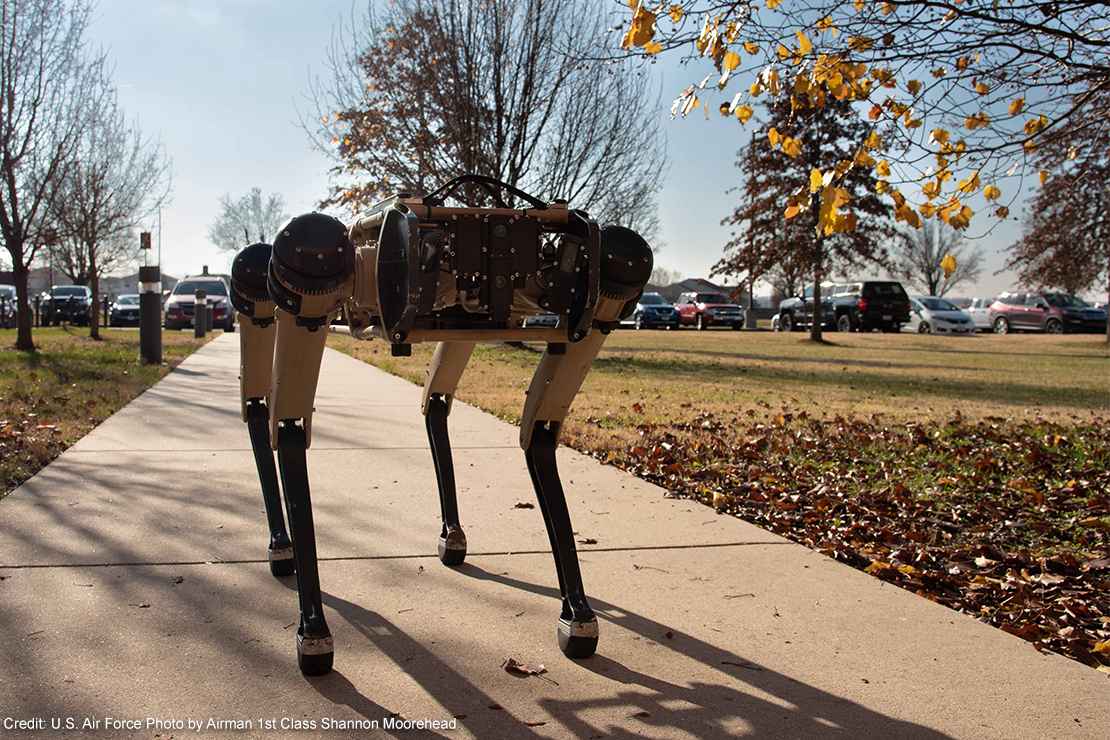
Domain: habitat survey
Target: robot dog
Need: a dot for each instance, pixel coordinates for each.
(416, 270)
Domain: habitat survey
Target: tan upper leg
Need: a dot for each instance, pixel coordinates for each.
(297, 357)
(448, 364)
(256, 355)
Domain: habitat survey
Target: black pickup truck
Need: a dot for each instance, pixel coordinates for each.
(863, 306)
(66, 303)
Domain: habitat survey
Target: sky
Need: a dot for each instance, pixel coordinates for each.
(222, 83)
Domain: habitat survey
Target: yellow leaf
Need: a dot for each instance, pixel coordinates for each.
(931, 189)
(774, 137)
(962, 63)
(751, 47)
(913, 123)
(1002, 212)
(783, 52)
(772, 4)
(908, 215)
(874, 113)
(914, 86)
(791, 147)
(860, 43)
(887, 8)
(677, 12)
(982, 88)
(938, 72)
(792, 210)
(927, 209)
(805, 46)
(969, 184)
(948, 264)
(979, 120)
(642, 29)
(743, 113)
(1034, 125)
(1016, 105)
(652, 48)
(1044, 176)
(991, 192)
(873, 141)
(731, 61)
(939, 135)
(882, 169)
(1103, 648)
(815, 180)
(826, 24)
(859, 5)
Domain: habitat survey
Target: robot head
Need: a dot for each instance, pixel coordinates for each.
(312, 261)
(248, 278)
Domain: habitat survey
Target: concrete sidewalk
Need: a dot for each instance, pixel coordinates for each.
(134, 585)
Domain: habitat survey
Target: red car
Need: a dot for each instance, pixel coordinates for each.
(704, 310)
(1054, 313)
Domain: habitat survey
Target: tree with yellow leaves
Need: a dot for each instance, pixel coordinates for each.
(960, 94)
(819, 234)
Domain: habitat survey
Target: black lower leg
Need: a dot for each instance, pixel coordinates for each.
(577, 630)
(314, 643)
(452, 540)
(281, 549)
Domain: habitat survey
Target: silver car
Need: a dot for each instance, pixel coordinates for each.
(933, 315)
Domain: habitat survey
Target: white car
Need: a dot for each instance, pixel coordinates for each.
(980, 312)
(932, 315)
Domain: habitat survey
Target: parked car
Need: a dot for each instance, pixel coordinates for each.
(66, 303)
(652, 312)
(704, 310)
(1054, 313)
(7, 306)
(933, 315)
(862, 306)
(541, 321)
(980, 312)
(180, 305)
(124, 311)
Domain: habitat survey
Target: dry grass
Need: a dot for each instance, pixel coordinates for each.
(658, 377)
(55, 395)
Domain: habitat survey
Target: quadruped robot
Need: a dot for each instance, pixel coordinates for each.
(417, 270)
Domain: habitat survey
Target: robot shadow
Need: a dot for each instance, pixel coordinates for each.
(653, 705)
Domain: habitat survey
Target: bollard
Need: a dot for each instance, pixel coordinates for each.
(150, 315)
(200, 325)
(38, 314)
(104, 300)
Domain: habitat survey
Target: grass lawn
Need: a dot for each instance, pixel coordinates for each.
(658, 377)
(55, 395)
(973, 471)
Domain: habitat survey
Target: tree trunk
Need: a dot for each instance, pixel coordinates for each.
(94, 309)
(24, 319)
(1108, 302)
(817, 316)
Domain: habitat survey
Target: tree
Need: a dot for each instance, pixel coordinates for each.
(918, 255)
(1066, 239)
(662, 276)
(248, 219)
(48, 88)
(816, 237)
(421, 91)
(118, 178)
(955, 95)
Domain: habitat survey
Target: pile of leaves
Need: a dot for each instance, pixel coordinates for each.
(1006, 520)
